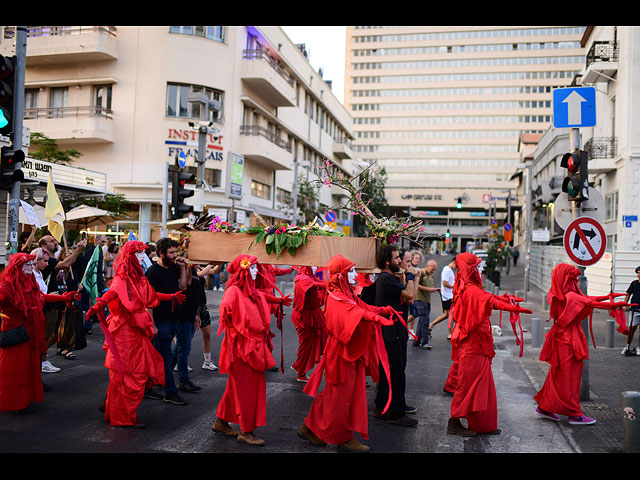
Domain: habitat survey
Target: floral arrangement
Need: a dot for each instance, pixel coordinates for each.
(386, 229)
(217, 225)
(291, 237)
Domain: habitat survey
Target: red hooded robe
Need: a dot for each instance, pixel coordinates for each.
(472, 343)
(341, 407)
(21, 301)
(308, 318)
(246, 348)
(132, 357)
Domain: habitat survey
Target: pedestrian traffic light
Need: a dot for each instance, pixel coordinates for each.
(448, 234)
(179, 193)
(459, 204)
(7, 89)
(576, 183)
(9, 174)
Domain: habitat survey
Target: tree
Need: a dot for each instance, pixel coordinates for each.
(48, 150)
(372, 190)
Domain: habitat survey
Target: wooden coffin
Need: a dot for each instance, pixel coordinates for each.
(205, 247)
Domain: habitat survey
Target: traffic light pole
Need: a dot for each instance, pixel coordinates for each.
(16, 139)
(576, 211)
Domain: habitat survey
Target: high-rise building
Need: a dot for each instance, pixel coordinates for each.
(442, 109)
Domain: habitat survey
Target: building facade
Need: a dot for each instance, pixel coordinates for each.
(442, 109)
(130, 99)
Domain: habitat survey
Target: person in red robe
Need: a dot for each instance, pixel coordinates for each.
(474, 397)
(565, 347)
(340, 409)
(245, 353)
(308, 318)
(133, 362)
(21, 302)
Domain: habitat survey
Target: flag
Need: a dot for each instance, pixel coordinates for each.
(53, 211)
(131, 236)
(90, 278)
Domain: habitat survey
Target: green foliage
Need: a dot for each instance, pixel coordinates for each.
(48, 150)
(291, 237)
(497, 255)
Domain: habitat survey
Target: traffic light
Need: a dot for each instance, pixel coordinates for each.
(576, 184)
(7, 89)
(8, 172)
(179, 193)
(459, 204)
(448, 234)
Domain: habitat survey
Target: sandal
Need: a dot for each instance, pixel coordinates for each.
(68, 354)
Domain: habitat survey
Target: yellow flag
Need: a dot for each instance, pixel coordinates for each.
(53, 211)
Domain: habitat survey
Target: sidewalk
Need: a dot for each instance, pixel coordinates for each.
(608, 372)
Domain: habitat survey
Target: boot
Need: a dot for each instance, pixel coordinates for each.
(455, 427)
(249, 438)
(304, 432)
(222, 427)
(353, 446)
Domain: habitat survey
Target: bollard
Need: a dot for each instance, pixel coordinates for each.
(519, 293)
(536, 332)
(545, 305)
(609, 332)
(631, 421)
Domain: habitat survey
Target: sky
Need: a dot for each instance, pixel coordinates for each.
(326, 48)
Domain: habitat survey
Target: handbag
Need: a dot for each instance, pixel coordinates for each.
(12, 337)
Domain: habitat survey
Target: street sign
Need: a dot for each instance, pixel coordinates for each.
(585, 241)
(593, 207)
(330, 216)
(182, 159)
(574, 107)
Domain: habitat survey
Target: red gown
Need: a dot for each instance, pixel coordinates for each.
(472, 343)
(341, 407)
(565, 347)
(308, 318)
(21, 300)
(245, 354)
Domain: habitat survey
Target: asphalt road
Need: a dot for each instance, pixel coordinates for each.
(69, 421)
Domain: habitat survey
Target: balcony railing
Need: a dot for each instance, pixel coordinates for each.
(48, 31)
(602, 52)
(260, 54)
(344, 140)
(601, 147)
(263, 132)
(66, 112)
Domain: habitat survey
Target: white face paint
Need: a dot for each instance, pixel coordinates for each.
(313, 269)
(372, 277)
(253, 270)
(27, 268)
(140, 257)
(351, 276)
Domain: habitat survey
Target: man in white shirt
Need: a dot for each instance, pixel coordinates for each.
(447, 279)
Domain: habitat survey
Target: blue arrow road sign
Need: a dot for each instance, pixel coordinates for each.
(574, 107)
(182, 159)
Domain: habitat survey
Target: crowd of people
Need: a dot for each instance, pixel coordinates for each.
(351, 327)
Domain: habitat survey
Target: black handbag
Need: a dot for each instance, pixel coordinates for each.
(13, 337)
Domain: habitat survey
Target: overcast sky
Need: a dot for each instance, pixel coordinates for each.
(326, 48)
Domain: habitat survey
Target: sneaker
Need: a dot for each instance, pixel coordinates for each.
(637, 350)
(426, 347)
(582, 420)
(209, 366)
(48, 368)
(408, 409)
(175, 399)
(550, 416)
(150, 393)
(625, 350)
(188, 386)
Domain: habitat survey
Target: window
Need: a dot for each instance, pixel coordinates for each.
(102, 97)
(31, 102)
(260, 190)
(611, 202)
(210, 32)
(178, 105)
(58, 100)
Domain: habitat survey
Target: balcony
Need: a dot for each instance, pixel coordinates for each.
(56, 45)
(260, 72)
(342, 148)
(602, 153)
(88, 124)
(602, 62)
(265, 148)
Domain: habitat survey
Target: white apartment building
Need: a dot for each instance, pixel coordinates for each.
(120, 95)
(611, 66)
(442, 109)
